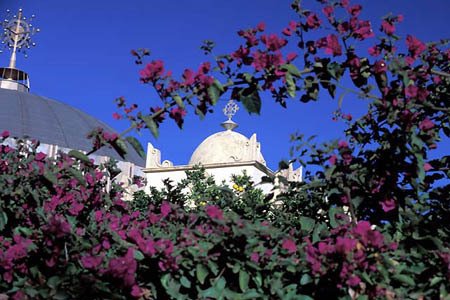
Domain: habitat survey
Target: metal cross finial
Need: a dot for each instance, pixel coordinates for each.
(230, 109)
(16, 36)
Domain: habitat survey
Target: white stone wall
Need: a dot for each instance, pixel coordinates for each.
(155, 177)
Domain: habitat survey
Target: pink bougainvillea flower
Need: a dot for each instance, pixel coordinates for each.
(264, 60)
(91, 262)
(40, 156)
(273, 42)
(152, 71)
(124, 268)
(361, 30)
(214, 212)
(178, 115)
(240, 54)
(388, 204)
(58, 226)
(116, 116)
(354, 280)
(411, 91)
(289, 245)
(345, 245)
(380, 66)
(249, 36)
(165, 209)
(328, 11)
(426, 124)
(342, 144)
(313, 21)
(188, 76)
(5, 134)
(261, 26)
(254, 257)
(427, 167)
(291, 56)
(415, 46)
(388, 27)
(332, 160)
(374, 50)
(331, 45)
(287, 32)
(136, 291)
(368, 236)
(354, 10)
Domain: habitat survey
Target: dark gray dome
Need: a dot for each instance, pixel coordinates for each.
(53, 122)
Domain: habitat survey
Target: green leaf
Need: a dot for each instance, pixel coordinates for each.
(258, 279)
(30, 291)
(165, 281)
(404, 279)
(185, 282)
(318, 232)
(290, 85)
(136, 145)
(283, 165)
(3, 220)
(213, 267)
(201, 272)
(77, 175)
(151, 124)
(332, 215)
(435, 280)
(335, 70)
(366, 277)
(305, 279)
(341, 99)
(251, 294)
(250, 99)
(215, 91)
(61, 295)
(53, 282)
(120, 146)
(80, 156)
(307, 223)
(20, 230)
(220, 284)
(50, 176)
(332, 90)
(291, 69)
(138, 255)
(179, 101)
(243, 280)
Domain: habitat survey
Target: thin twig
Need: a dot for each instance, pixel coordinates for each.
(440, 73)
(350, 205)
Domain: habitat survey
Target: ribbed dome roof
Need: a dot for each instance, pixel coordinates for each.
(53, 122)
(227, 147)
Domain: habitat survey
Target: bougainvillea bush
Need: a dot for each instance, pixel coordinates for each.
(371, 221)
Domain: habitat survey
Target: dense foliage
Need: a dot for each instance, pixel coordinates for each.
(370, 222)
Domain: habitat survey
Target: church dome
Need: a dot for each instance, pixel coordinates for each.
(227, 147)
(52, 122)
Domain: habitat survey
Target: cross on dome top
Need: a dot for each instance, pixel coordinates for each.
(229, 111)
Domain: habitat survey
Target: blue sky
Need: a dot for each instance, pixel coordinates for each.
(82, 58)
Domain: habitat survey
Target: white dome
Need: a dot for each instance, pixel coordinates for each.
(227, 147)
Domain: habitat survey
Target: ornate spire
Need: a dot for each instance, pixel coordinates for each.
(16, 36)
(17, 33)
(229, 111)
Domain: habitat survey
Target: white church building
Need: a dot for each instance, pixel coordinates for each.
(60, 127)
(222, 155)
